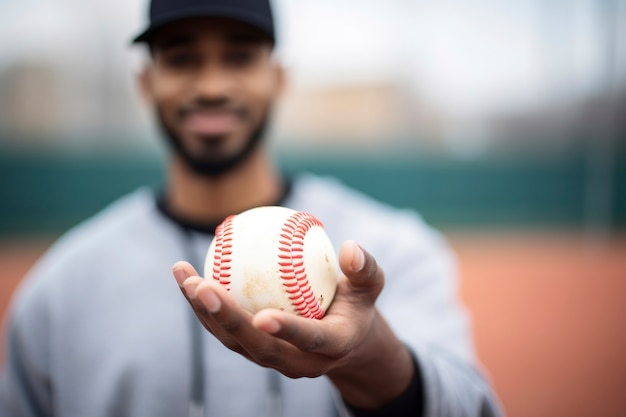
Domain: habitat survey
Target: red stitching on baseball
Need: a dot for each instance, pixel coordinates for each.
(223, 252)
(292, 270)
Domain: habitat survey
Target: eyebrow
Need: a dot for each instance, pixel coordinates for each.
(175, 41)
(236, 38)
(240, 38)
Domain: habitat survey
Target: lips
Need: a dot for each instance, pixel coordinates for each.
(210, 123)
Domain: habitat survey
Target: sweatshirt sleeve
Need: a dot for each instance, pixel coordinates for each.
(450, 393)
(454, 389)
(24, 377)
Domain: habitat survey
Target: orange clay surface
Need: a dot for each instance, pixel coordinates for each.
(549, 314)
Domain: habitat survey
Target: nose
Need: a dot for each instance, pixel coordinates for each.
(213, 82)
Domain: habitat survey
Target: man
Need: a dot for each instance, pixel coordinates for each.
(99, 328)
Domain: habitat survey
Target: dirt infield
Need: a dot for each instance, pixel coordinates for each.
(548, 313)
(549, 321)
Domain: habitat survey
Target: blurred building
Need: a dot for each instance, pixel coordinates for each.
(466, 78)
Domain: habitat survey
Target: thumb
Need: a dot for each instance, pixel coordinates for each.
(361, 268)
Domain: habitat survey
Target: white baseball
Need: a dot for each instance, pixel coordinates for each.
(275, 257)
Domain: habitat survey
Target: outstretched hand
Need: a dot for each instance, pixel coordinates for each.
(350, 344)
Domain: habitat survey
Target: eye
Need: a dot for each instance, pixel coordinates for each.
(240, 58)
(180, 60)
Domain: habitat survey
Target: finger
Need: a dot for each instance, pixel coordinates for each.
(206, 294)
(183, 270)
(232, 325)
(308, 335)
(361, 269)
(189, 281)
(189, 290)
(298, 353)
(222, 307)
(202, 306)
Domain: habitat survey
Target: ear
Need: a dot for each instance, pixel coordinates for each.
(280, 78)
(144, 83)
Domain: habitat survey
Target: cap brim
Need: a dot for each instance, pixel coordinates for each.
(253, 19)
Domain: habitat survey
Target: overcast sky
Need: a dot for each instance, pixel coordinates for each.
(464, 56)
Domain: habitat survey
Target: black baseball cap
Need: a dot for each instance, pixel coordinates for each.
(257, 13)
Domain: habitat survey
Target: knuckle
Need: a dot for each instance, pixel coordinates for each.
(315, 344)
(267, 357)
(232, 327)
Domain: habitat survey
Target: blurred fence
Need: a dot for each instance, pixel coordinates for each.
(49, 192)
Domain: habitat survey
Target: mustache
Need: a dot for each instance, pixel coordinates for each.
(221, 105)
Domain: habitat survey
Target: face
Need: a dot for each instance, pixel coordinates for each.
(212, 83)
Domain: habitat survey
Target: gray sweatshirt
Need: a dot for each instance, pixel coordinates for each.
(99, 327)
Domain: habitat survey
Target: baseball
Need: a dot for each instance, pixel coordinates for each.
(275, 257)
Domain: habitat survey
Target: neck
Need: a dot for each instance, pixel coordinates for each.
(201, 199)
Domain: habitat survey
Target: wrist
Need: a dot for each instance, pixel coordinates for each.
(377, 372)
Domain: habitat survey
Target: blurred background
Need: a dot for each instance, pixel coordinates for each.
(502, 122)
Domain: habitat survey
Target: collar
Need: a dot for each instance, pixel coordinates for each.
(208, 227)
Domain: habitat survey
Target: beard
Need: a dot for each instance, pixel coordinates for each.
(211, 165)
